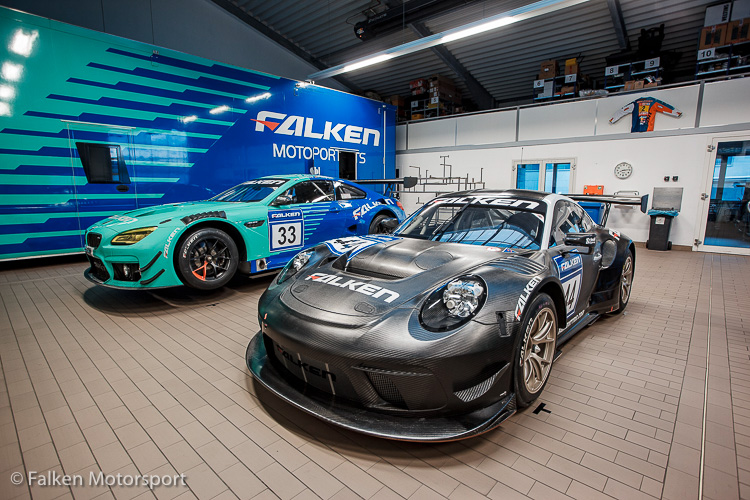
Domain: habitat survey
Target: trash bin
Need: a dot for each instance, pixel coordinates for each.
(658, 234)
(595, 210)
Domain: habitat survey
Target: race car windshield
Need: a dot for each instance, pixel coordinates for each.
(250, 191)
(477, 225)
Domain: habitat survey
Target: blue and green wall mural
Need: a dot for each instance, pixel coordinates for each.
(92, 125)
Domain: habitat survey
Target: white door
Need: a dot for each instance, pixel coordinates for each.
(725, 221)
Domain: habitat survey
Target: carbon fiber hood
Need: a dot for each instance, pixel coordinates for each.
(382, 276)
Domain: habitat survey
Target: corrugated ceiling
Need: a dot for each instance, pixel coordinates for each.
(505, 61)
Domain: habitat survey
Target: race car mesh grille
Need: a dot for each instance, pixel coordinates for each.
(98, 270)
(93, 239)
(518, 264)
(386, 389)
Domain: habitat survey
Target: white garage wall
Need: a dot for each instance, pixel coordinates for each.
(676, 148)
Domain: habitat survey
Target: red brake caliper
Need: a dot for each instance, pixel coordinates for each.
(204, 271)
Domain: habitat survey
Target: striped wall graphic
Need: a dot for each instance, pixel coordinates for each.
(183, 126)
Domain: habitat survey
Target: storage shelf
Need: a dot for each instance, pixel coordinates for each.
(645, 71)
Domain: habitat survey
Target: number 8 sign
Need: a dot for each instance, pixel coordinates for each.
(286, 230)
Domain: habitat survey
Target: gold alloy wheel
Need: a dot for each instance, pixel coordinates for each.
(627, 280)
(540, 350)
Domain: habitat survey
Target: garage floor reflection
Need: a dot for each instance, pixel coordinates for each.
(135, 383)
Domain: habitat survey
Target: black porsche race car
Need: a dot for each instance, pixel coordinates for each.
(442, 329)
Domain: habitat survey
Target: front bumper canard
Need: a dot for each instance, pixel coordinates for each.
(433, 429)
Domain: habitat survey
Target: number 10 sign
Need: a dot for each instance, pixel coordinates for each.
(286, 230)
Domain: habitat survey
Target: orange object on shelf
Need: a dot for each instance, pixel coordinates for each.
(593, 189)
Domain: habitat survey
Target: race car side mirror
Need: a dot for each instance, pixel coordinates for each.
(389, 224)
(282, 200)
(587, 240)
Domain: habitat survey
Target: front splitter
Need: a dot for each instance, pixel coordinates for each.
(420, 429)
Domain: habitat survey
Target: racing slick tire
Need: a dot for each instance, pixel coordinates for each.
(626, 283)
(536, 350)
(207, 259)
(376, 226)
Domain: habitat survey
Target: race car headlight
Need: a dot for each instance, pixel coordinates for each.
(454, 304)
(132, 236)
(293, 267)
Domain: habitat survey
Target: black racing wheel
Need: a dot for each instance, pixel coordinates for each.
(626, 282)
(376, 226)
(536, 350)
(207, 259)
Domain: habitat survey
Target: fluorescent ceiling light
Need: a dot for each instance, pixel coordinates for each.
(11, 72)
(4, 109)
(503, 21)
(220, 109)
(368, 62)
(7, 92)
(451, 35)
(23, 43)
(188, 119)
(258, 97)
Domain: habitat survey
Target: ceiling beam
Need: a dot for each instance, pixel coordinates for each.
(621, 31)
(284, 42)
(479, 94)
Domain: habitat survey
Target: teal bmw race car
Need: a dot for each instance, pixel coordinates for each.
(254, 227)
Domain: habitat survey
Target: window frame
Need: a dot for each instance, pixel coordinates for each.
(542, 162)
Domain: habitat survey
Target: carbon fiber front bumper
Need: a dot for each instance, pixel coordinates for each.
(341, 413)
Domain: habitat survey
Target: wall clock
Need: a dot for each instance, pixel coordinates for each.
(623, 170)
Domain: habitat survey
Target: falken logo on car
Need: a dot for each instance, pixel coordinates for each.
(169, 240)
(287, 214)
(489, 200)
(305, 367)
(302, 126)
(361, 211)
(568, 264)
(525, 295)
(374, 291)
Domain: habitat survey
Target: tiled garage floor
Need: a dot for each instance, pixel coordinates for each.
(95, 379)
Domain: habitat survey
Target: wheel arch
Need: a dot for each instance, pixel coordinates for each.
(223, 225)
(554, 290)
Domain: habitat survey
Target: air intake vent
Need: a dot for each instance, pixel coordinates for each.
(518, 264)
(93, 240)
(386, 389)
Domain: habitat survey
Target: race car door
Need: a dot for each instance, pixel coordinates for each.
(354, 206)
(578, 271)
(312, 217)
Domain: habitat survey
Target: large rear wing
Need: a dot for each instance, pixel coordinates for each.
(390, 184)
(609, 200)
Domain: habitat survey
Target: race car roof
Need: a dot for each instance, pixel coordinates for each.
(515, 193)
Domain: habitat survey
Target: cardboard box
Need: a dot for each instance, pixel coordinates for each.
(420, 82)
(740, 10)
(398, 100)
(417, 116)
(650, 85)
(548, 69)
(713, 36)
(737, 31)
(629, 85)
(567, 89)
(717, 14)
(571, 66)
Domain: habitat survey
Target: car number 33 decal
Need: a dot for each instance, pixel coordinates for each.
(571, 272)
(286, 230)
